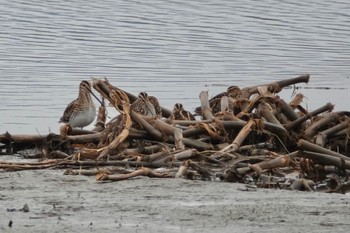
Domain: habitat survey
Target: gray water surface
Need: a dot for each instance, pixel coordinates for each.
(171, 49)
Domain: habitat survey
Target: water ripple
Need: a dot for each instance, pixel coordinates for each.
(172, 49)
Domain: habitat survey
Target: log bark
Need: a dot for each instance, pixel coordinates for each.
(326, 159)
(316, 126)
(276, 87)
(308, 146)
(296, 123)
(205, 107)
(141, 172)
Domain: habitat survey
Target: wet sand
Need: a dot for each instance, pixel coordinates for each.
(59, 203)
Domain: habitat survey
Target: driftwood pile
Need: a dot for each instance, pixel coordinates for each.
(256, 138)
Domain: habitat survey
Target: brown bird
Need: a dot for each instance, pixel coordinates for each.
(179, 113)
(80, 112)
(156, 105)
(143, 105)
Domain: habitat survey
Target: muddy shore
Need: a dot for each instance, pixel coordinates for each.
(59, 203)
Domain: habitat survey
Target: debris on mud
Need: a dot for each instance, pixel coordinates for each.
(248, 135)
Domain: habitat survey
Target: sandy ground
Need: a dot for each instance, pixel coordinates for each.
(59, 203)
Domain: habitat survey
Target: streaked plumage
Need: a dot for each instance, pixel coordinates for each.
(156, 105)
(80, 112)
(143, 105)
(179, 113)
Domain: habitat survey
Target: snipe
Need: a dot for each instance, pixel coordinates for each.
(80, 112)
(179, 113)
(146, 105)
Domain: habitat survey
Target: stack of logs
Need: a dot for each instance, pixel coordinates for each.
(265, 142)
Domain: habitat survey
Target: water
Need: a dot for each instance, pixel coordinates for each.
(171, 49)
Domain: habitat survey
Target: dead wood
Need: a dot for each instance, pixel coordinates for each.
(325, 159)
(205, 107)
(240, 137)
(296, 123)
(247, 141)
(141, 172)
(308, 146)
(277, 86)
(287, 110)
(322, 136)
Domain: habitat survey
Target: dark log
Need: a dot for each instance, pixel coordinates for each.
(300, 120)
(322, 136)
(156, 134)
(276, 87)
(280, 161)
(325, 159)
(265, 110)
(316, 126)
(287, 110)
(308, 146)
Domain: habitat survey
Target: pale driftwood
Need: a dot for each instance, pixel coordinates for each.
(141, 172)
(224, 104)
(181, 171)
(179, 144)
(242, 135)
(205, 107)
(94, 172)
(186, 154)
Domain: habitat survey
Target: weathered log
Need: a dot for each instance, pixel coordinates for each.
(156, 134)
(266, 111)
(287, 110)
(104, 87)
(322, 136)
(141, 172)
(237, 142)
(280, 161)
(224, 104)
(205, 107)
(308, 146)
(292, 125)
(326, 159)
(182, 170)
(316, 126)
(276, 87)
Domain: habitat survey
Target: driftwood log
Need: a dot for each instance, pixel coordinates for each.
(257, 137)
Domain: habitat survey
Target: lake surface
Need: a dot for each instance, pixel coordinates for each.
(171, 49)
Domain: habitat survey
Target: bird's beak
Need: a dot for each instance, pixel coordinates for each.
(96, 98)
